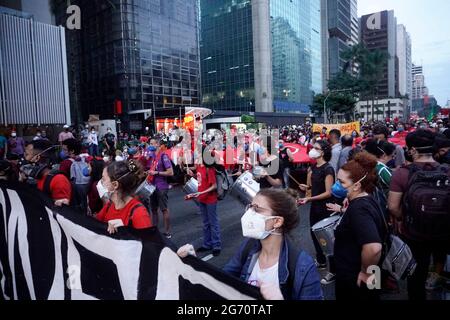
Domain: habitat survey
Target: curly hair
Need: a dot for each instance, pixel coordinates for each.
(363, 166)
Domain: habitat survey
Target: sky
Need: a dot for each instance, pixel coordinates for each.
(427, 21)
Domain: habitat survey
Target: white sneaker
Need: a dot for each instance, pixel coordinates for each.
(328, 279)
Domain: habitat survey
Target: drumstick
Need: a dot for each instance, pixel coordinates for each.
(299, 184)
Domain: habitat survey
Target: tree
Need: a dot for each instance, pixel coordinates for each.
(364, 83)
(341, 102)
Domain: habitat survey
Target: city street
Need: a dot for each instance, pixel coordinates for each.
(187, 228)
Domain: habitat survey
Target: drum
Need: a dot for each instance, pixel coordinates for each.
(191, 186)
(245, 188)
(324, 232)
(145, 190)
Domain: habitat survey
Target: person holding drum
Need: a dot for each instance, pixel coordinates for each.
(268, 259)
(120, 179)
(321, 177)
(359, 235)
(207, 203)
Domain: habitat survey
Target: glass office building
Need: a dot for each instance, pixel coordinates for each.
(228, 60)
(143, 53)
(226, 49)
(296, 52)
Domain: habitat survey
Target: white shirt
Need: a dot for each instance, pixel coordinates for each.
(266, 276)
(92, 138)
(335, 154)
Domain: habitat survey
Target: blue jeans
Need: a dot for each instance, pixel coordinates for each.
(211, 228)
(93, 150)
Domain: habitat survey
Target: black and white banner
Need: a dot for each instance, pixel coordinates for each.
(68, 256)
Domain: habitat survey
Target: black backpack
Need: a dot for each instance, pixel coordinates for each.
(178, 174)
(224, 182)
(426, 203)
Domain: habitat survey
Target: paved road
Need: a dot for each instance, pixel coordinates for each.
(187, 228)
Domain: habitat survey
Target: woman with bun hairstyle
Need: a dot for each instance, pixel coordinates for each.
(268, 259)
(120, 180)
(321, 177)
(360, 234)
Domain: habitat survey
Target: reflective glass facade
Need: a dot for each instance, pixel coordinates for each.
(226, 48)
(296, 52)
(227, 54)
(142, 52)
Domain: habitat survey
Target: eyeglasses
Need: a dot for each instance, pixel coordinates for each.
(257, 208)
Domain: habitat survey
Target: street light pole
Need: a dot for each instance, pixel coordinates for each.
(325, 108)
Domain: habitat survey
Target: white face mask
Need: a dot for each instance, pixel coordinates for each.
(13, 135)
(254, 225)
(102, 191)
(314, 154)
(92, 131)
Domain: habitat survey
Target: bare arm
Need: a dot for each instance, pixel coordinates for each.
(395, 203)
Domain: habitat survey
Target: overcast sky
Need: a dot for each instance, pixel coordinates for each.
(428, 23)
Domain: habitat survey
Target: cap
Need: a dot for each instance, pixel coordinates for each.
(66, 126)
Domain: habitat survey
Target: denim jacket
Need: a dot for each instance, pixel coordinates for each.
(306, 284)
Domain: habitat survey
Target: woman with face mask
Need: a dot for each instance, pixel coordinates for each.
(321, 178)
(268, 259)
(360, 233)
(119, 182)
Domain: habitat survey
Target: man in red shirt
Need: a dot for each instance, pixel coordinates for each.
(55, 185)
(207, 199)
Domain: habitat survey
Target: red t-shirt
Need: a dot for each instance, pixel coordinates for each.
(140, 220)
(65, 166)
(205, 181)
(60, 187)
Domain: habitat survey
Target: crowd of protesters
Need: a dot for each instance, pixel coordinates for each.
(362, 176)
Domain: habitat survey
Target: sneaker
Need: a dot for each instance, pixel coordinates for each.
(216, 252)
(321, 266)
(203, 249)
(434, 281)
(328, 279)
(167, 235)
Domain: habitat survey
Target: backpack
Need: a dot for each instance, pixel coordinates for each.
(426, 203)
(396, 258)
(130, 219)
(76, 172)
(177, 172)
(224, 183)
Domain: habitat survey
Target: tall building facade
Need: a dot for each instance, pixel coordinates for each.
(33, 71)
(416, 69)
(379, 32)
(40, 9)
(404, 61)
(419, 88)
(143, 55)
(340, 29)
(260, 55)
